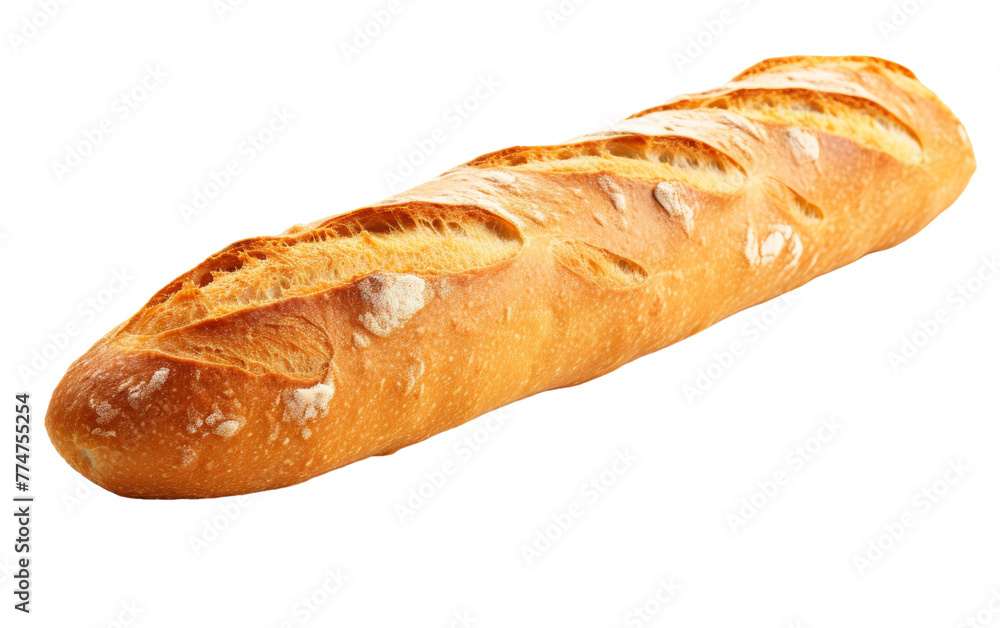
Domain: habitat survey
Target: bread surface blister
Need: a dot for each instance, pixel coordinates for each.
(527, 269)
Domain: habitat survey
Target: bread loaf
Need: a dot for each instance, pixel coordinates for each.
(281, 358)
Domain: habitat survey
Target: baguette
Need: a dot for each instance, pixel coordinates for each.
(280, 358)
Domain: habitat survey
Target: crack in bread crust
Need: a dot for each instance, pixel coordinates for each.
(407, 238)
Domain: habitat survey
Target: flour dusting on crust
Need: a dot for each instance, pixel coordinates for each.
(500, 177)
(391, 300)
(744, 124)
(105, 411)
(308, 403)
(137, 394)
(670, 195)
(805, 143)
(412, 375)
(778, 238)
(615, 191)
(962, 133)
(227, 428)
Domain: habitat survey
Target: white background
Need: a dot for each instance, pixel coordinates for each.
(462, 553)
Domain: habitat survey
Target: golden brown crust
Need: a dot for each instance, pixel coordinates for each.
(531, 268)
